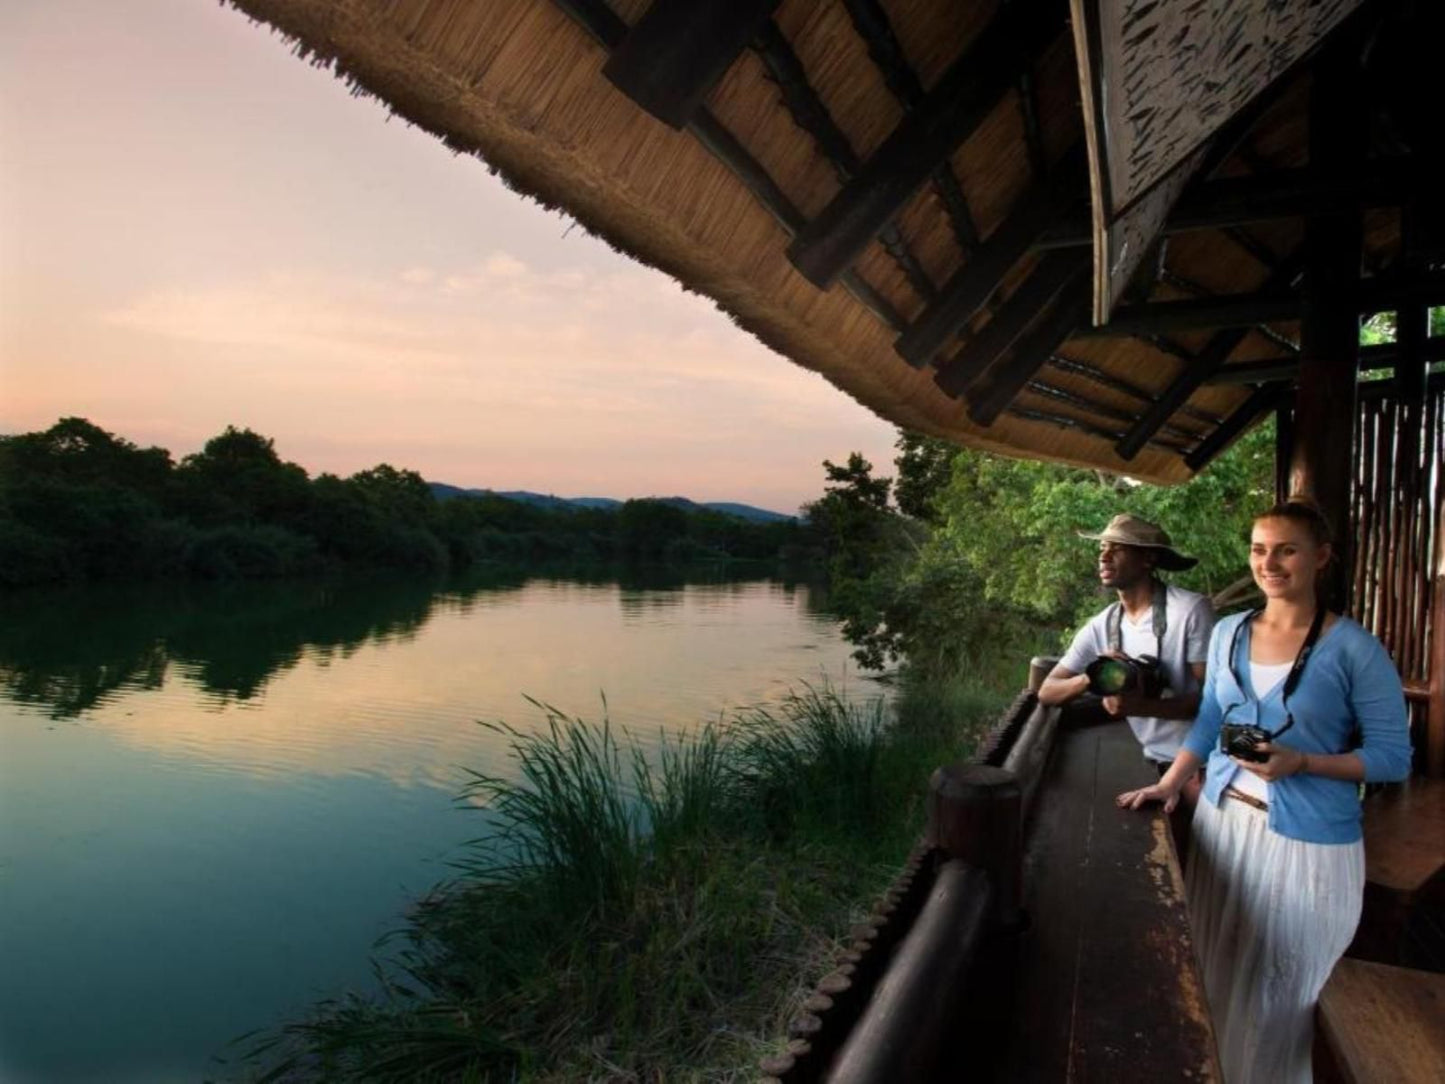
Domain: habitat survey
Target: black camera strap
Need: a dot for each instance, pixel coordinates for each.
(1114, 622)
(1296, 670)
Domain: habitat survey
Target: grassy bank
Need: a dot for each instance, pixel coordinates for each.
(646, 917)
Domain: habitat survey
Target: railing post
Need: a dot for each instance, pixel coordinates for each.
(1039, 668)
(975, 814)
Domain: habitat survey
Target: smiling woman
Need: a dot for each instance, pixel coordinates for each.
(1276, 880)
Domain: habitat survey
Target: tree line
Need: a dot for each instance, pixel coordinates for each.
(79, 503)
(964, 555)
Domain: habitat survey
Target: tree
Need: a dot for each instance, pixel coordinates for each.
(238, 478)
(925, 466)
(78, 452)
(649, 528)
(401, 495)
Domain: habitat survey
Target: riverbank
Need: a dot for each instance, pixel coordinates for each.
(650, 918)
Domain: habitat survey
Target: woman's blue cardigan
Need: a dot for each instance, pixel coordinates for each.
(1349, 699)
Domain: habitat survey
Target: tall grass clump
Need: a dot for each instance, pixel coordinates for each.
(637, 913)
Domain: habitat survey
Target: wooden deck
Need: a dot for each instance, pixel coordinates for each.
(1106, 984)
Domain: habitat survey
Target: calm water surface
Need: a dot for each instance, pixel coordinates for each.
(213, 801)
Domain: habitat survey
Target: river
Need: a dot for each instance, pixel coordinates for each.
(214, 800)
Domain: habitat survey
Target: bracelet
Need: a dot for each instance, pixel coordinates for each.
(1304, 765)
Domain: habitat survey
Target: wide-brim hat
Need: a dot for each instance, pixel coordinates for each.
(1127, 530)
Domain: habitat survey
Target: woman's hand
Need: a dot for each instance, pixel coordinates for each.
(1282, 762)
(1159, 792)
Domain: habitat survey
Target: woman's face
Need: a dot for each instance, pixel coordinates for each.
(1285, 559)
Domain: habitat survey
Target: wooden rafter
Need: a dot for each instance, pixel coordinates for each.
(1204, 365)
(679, 49)
(1119, 384)
(1264, 398)
(1046, 390)
(1265, 197)
(812, 116)
(947, 116)
(608, 30)
(1266, 305)
(1379, 356)
(1084, 426)
(1069, 311)
(1192, 314)
(1055, 271)
(873, 26)
(1189, 286)
(1257, 250)
(965, 293)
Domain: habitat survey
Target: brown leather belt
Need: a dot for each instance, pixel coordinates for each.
(1247, 799)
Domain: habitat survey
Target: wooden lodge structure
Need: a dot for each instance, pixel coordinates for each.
(1108, 233)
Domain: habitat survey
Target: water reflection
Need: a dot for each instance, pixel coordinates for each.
(70, 651)
(213, 800)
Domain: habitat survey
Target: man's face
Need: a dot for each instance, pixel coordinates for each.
(1122, 567)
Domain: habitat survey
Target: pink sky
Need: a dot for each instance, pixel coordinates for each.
(197, 229)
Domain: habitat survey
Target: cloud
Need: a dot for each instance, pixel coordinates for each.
(613, 377)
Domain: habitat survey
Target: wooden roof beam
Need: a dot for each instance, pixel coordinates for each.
(1205, 364)
(608, 30)
(812, 116)
(1289, 193)
(1379, 356)
(925, 138)
(1261, 307)
(1108, 380)
(1192, 314)
(1069, 311)
(1055, 271)
(874, 27)
(678, 50)
(969, 288)
(1266, 397)
(1045, 390)
(1064, 422)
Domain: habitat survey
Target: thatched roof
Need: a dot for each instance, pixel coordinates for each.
(893, 193)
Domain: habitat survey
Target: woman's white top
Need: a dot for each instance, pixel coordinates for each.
(1263, 677)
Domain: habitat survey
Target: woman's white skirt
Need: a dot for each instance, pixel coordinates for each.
(1271, 916)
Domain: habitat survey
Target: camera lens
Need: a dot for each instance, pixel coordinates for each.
(1109, 677)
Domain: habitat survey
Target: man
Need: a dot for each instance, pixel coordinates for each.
(1149, 618)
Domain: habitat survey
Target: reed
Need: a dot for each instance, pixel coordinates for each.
(636, 913)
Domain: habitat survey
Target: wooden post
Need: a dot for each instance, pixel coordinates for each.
(975, 814)
(1040, 667)
(1435, 711)
(1283, 448)
(1322, 461)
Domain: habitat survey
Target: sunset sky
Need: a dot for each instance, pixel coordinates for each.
(197, 229)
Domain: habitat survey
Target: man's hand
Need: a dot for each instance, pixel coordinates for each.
(1061, 686)
(1122, 704)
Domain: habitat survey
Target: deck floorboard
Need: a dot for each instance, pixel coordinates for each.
(1106, 985)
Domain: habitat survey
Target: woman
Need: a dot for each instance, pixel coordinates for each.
(1276, 876)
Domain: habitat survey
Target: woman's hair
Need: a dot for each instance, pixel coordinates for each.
(1304, 512)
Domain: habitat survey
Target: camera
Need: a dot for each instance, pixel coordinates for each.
(1239, 740)
(1114, 675)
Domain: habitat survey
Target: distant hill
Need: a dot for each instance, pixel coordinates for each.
(727, 508)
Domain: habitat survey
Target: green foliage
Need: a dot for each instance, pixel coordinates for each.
(650, 529)
(646, 912)
(79, 503)
(251, 552)
(925, 466)
(1000, 557)
(75, 452)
